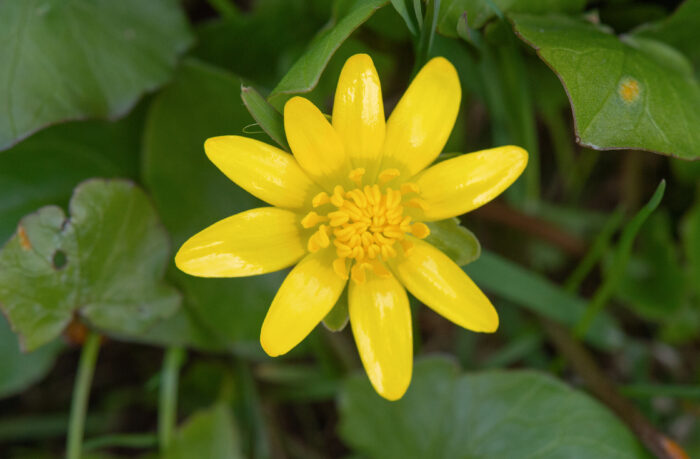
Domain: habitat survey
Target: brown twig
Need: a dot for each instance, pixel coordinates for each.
(502, 213)
(600, 386)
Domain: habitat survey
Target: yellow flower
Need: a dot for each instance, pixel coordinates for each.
(350, 204)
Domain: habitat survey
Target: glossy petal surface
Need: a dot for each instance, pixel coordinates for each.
(381, 323)
(262, 170)
(314, 142)
(439, 283)
(307, 294)
(358, 112)
(420, 124)
(458, 185)
(253, 242)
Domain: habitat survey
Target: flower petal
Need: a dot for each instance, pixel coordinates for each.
(439, 283)
(262, 170)
(314, 142)
(358, 112)
(256, 241)
(381, 322)
(307, 294)
(458, 185)
(420, 124)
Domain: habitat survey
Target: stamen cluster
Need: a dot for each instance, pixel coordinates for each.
(364, 224)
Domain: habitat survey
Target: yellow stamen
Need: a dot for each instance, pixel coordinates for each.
(419, 230)
(337, 198)
(312, 219)
(388, 175)
(356, 175)
(365, 225)
(320, 199)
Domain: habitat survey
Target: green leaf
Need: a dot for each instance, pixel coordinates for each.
(260, 44)
(456, 241)
(19, 370)
(679, 30)
(209, 433)
(401, 7)
(191, 194)
(527, 289)
(65, 60)
(427, 33)
(632, 93)
(337, 319)
(265, 115)
(479, 12)
(653, 284)
(28, 171)
(304, 74)
(690, 231)
(490, 414)
(104, 262)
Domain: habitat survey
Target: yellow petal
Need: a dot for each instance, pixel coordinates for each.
(253, 242)
(262, 170)
(381, 323)
(439, 283)
(420, 124)
(314, 142)
(307, 294)
(458, 185)
(358, 112)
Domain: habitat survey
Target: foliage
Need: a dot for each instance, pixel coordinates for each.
(592, 258)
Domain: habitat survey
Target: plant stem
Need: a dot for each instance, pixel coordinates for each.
(167, 407)
(598, 248)
(81, 394)
(617, 271)
(597, 382)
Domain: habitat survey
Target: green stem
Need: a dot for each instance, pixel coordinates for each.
(81, 394)
(598, 248)
(617, 270)
(167, 407)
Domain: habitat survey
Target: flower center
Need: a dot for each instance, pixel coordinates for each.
(364, 224)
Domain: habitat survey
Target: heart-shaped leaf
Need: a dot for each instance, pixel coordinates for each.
(66, 60)
(104, 262)
(513, 414)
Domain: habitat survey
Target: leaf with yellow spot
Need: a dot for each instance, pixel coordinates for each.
(628, 92)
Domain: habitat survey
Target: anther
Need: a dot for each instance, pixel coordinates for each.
(356, 175)
(338, 218)
(420, 230)
(388, 175)
(320, 199)
(312, 219)
(337, 198)
(322, 236)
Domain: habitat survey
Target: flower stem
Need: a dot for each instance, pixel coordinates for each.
(81, 394)
(167, 408)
